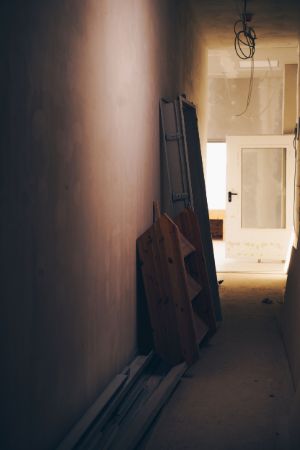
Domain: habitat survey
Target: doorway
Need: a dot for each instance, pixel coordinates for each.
(250, 192)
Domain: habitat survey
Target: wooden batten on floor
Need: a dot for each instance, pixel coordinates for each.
(105, 404)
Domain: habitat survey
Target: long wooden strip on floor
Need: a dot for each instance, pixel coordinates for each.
(146, 415)
(106, 402)
(96, 437)
(135, 369)
(73, 437)
(120, 424)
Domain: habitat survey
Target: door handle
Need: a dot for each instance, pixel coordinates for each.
(230, 194)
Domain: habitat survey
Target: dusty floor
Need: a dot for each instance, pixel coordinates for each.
(237, 396)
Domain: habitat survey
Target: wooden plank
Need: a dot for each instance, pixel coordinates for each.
(120, 423)
(98, 436)
(192, 144)
(122, 417)
(118, 427)
(186, 247)
(146, 414)
(200, 327)
(156, 211)
(102, 401)
(194, 288)
(153, 289)
(132, 372)
(136, 367)
(175, 277)
(189, 227)
(160, 306)
(106, 402)
(171, 346)
(169, 290)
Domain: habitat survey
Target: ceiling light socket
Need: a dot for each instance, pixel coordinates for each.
(248, 16)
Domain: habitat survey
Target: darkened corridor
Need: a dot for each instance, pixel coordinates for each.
(90, 91)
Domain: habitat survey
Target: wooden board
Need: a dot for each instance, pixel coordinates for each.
(82, 425)
(186, 247)
(188, 224)
(103, 407)
(194, 287)
(125, 414)
(200, 327)
(146, 414)
(133, 371)
(164, 253)
(176, 279)
(193, 151)
(161, 310)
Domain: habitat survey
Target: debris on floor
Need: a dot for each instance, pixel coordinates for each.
(267, 301)
(122, 414)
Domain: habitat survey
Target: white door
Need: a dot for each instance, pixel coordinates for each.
(260, 192)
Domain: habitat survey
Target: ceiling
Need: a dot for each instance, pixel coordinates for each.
(276, 23)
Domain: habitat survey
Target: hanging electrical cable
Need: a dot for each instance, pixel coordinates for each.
(251, 80)
(245, 36)
(244, 44)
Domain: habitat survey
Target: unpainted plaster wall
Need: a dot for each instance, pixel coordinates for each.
(289, 110)
(191, 48)
(79, 170)
(291, 335)
(291, 313)
(227, 98)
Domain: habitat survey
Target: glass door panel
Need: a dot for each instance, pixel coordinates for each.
(263, 182)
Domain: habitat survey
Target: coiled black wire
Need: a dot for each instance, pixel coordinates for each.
(244, 44)
(244, 41)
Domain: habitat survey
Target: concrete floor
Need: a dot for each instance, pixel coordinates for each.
(225, 264)
(237, 396)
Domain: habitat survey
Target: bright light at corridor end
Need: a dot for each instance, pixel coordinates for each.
(216, 175)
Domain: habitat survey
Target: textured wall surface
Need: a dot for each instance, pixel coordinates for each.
(227, 98)
(289, 113)
(193, 63)
(79, 170)
(291, 312)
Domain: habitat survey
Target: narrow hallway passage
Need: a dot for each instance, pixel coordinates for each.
(236, 397)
